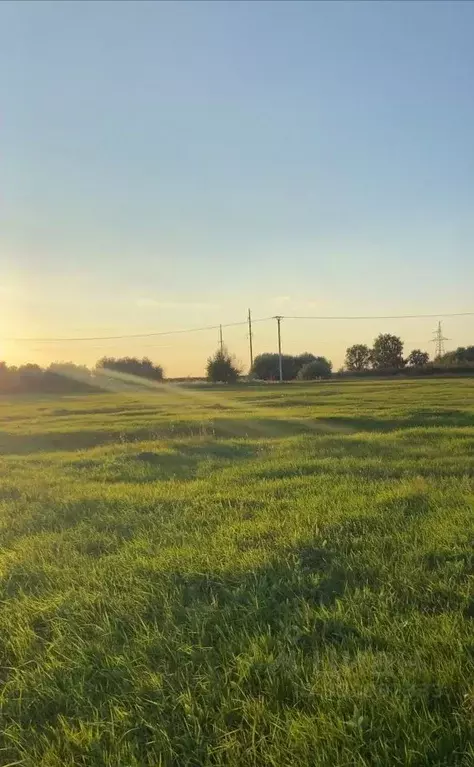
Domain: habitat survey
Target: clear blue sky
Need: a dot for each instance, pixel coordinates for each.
(165, 165)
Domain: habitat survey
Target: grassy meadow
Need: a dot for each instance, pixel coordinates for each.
(239, 576)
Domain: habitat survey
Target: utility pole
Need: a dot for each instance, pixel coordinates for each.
(221, 342)
(250, 339)
(280, 362)
(439, 340)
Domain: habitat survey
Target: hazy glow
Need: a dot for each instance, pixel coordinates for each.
(168, 165)
(244, 424)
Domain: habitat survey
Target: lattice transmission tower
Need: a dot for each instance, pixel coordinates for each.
(439, 340)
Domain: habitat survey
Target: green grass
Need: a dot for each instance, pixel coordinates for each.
(251, 576)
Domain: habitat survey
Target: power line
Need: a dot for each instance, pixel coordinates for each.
(235, 324)
(383, 317)
(134, 335)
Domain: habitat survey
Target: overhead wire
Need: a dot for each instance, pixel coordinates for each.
(233, 324)
(132, 335)
(381, 317)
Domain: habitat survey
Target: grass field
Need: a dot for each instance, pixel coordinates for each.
(260, 576)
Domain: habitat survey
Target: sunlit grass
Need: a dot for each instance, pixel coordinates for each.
(250, 576)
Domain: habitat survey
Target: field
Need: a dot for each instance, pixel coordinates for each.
(252, 576)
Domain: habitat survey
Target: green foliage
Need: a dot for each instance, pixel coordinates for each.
(418, 358)
(266, 366)
(387, 352)
(132, 366)
(58, 378)
(260, 576)
(438, 369)
(222, 368)
(358, 357)
(461, 356)
(317, 368)
(465, 354)
(305, 358)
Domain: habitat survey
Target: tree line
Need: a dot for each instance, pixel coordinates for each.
(56, 378)
(63, 378)
(222, 367)
(385, 357)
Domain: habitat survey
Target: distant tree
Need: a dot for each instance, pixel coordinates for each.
(449, 358)
(267, 366)
(358, 357)
(69, 367)
(417, 358)
(67, 376)
(303, 359)
(464, 354)
(30, 369)
(5, 377)
(387, 352)
(292, 364)
(29, 378)
(143, 368)
(320, 367)
(221, 367)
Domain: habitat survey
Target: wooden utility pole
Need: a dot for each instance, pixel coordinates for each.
(280, 361)
(250, 339)
(221, 342)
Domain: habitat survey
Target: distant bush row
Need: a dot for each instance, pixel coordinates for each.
(60, 379)
(223, 368)
(63, 378)
(132, 366)
(303, 366)
(385, 358)
(431, 368)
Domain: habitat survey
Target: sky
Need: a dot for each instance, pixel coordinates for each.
(168, 165)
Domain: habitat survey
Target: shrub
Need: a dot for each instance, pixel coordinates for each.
(31, 378)
(387, 352)
(417, 358)
(267, 366)
(318, 368)
(222, 368)
(143, 368)
(358, 357)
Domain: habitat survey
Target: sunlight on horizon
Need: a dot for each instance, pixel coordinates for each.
(123, 383)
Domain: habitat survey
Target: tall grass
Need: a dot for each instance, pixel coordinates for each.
(263, 576)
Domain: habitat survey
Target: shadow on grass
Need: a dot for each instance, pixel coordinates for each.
(367, 470)
(459, 560)
(184, 463)
(74, 440)
(282, 607)
(24, 444)
(216, 643)
(287, 604)
(417, 418)
(225, 428)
